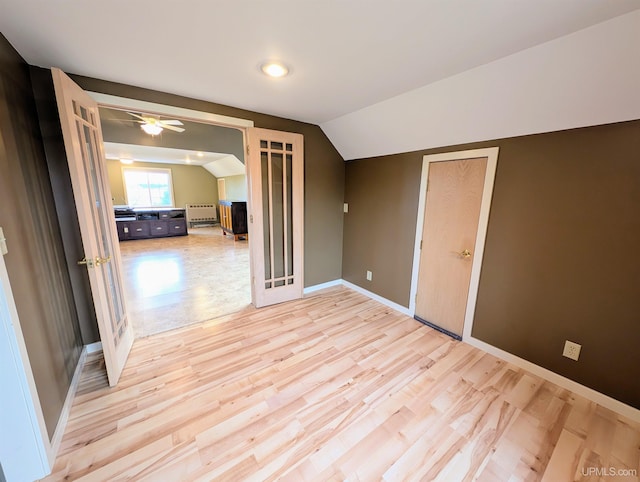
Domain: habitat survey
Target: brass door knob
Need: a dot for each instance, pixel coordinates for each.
(465, 254)
(100, 260)
(97, 261)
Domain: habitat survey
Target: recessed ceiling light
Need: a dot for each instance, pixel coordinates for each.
(126, 161)
(188, 161)
(200, 154)
(274, 69)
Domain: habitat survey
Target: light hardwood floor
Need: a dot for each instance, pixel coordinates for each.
(172, 282)
(331, 387)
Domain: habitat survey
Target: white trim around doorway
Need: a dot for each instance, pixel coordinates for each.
(106, 100)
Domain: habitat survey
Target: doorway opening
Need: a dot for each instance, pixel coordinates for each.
(174, 281)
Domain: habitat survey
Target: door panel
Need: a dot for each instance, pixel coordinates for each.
(276, 170)
(83, 142)
(454, 197)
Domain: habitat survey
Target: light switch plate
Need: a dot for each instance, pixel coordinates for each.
(346, 207)
(3, 243)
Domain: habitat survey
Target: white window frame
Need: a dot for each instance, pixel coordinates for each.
(148, 170)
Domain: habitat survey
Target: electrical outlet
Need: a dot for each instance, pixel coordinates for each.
(346, 207)
(369, 275)
(571, 350)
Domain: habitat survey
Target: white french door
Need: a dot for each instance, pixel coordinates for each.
(85, 154)
(276, 222)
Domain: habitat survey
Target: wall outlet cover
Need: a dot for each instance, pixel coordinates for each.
(571, 350)
(369, 275)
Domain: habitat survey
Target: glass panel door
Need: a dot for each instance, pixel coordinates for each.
(277, 205)
(83, 143)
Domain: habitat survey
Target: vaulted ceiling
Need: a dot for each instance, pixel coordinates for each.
(348, 60)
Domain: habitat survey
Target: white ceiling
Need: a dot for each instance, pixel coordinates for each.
(343, 55)
(163, 155)
(218, 164)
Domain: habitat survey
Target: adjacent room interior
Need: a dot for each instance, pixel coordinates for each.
(180, 264)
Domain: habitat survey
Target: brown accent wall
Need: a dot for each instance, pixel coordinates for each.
(380, 227)
(559, 259)
(36, 260)
(65, 205)
(324, 174)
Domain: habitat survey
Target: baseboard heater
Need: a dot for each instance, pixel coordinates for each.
(201, 214)
(438, 328)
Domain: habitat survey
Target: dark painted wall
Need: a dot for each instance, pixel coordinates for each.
(559, 259)
(49, 120)
(380, 227)
(324, 174)
(118, 126)
(36, 260)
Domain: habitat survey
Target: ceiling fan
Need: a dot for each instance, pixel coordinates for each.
(155, 125)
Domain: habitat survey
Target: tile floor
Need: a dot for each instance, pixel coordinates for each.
(172, 282)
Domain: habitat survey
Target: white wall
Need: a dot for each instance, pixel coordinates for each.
(587, 78)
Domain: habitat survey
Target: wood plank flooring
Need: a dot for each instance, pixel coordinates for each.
(332, 387)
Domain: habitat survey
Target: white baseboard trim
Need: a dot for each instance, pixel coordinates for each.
(321, 286)
(93, 347)
(380, 299)
(66, 408)
(577, 388)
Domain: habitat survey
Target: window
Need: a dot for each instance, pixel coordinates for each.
(148, 187)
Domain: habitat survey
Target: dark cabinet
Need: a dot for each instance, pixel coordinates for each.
(159, 228)
(177, 227)
(139, 229)
(142, 224)
(233, 218)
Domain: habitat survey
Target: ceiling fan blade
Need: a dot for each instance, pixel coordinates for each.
(172, 128)
(171, 122)
(136, 116)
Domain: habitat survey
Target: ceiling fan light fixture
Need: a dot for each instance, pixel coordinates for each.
(151, 129)
(274, 69)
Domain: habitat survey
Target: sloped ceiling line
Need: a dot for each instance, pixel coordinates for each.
(587, 78)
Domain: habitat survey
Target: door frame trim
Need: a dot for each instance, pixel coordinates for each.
(108, 100)
(491, 153)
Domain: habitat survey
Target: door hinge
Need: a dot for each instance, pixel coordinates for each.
(248, 149)
(251, 218)
(420, 244)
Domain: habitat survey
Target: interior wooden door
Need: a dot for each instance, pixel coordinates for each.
(452, 211)
(276, 216)
(85, 154)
